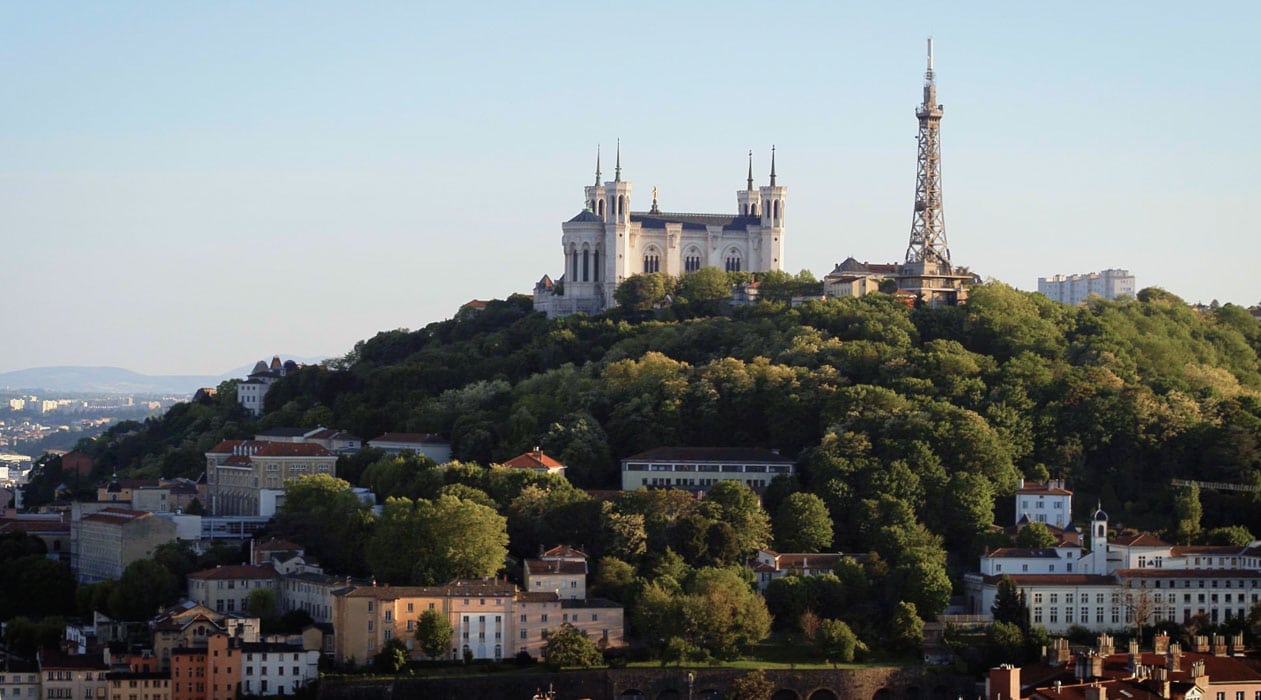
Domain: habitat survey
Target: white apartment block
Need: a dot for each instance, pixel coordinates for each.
(1073, 289)
(1048, 503)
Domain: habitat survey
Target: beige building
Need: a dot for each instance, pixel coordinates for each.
(19, 680)
(105, 542)
(226, 589)
(239, 471)
(561, 570)
(128, 685)
(74, 677)
(489, 619)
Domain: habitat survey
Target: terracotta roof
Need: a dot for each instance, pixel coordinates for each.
(116, 516)
(540, 567)
(564, 550)
(709, 454)
(1018, 553)
(1143, 539)
(292, 449)
(536, 459)
(417, 438)
(1202, 549)
(1055, 579)
(226, 447)
(474, 304)
(33, 526)
(234, 571)
(1188, 573)
(813, 561)
(455, 589)
(1039, 488)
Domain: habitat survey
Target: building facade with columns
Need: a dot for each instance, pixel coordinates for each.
(607, 241)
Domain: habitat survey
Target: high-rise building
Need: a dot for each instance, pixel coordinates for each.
(1073, 289)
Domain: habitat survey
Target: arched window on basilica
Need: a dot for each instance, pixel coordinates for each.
(652, 261)
(692, 260)
(733, 262)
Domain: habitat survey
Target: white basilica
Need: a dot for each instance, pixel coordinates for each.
(608, 242)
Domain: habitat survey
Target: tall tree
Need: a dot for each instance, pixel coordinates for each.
(803, 524)
(568, 647)
(1009, 604)
(332, 523)
(735, 504)
(1187, 512)
(433, 633)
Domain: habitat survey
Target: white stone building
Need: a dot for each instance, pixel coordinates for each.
(1048, 503)
(269, 668)
(697, 468)
(1073, 289)
(607, 242)
(1117, 584)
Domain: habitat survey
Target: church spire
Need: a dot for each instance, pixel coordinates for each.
(617, 174)
(597, 165)
(772, 166)
(750, 189)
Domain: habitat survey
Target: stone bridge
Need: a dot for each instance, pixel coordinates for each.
(664, 684)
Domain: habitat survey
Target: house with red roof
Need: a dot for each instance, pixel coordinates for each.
(536, 461)
(561, 569)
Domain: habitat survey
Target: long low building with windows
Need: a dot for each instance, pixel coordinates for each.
(695, 468)
(490, 619)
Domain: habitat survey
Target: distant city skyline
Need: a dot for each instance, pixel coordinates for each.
(187, 188)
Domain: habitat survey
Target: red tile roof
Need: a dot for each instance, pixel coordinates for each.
(1188, 573)
(292, 449)
(418, 438)
(535, 459)
(564, 550)
(538, 567)
(1143, 539)
(1210, 549)
(235, 571)
(116, 516)
(1055, 579)
(226, 447)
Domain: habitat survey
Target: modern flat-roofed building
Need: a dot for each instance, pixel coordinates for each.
(427, 444)
(696, 468)
(1073, 289)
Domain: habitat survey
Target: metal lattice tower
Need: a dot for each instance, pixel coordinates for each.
(928, 228)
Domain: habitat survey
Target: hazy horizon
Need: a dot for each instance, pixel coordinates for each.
(183, 186)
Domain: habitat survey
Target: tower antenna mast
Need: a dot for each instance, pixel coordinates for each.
(928, 226)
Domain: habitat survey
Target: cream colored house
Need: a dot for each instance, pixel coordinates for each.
(561, 570)
(489, 619)
(226, 589)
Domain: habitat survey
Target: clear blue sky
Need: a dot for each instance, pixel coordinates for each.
(188, 187)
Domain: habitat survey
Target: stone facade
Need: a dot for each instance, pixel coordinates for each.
(105, 542)
(607, 242)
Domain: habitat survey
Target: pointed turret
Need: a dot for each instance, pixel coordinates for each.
(772, 166)
(617, 173)
(750, 188)
(597, 165)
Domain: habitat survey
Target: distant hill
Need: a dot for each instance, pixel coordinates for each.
(116, 380)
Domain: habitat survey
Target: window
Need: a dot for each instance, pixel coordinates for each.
(652, 262)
